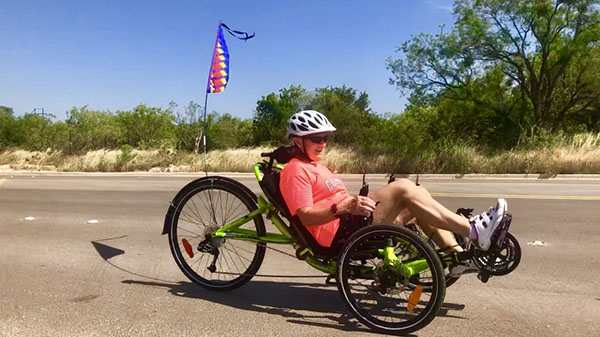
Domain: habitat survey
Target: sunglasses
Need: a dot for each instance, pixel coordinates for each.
(317, 139)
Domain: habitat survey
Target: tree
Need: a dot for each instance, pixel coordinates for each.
(7, 126)
(349, 112)
(273, 111)
(544, 48)
(91, 130)
(34, 132)
(146, 127)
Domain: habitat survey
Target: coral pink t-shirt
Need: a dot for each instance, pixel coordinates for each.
(312, 184)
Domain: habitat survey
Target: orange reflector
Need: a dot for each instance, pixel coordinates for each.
(414, 298)
(188, 247)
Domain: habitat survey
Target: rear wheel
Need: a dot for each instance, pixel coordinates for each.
(378, 296)
(202, 207)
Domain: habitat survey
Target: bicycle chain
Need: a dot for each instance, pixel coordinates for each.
(271, 275)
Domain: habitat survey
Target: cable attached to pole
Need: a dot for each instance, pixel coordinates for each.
(204, 136)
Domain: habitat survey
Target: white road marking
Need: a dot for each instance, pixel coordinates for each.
(518, 196)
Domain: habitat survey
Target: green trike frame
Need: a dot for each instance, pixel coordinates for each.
(390, 278)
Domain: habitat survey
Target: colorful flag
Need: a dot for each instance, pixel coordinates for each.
(219, 67)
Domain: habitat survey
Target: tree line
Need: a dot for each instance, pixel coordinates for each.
(504, 75)
(147, 127)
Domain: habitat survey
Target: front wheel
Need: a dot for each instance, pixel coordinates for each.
(201, 207)
(378, 295)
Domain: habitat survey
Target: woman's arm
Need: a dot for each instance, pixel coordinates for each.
(356, 205)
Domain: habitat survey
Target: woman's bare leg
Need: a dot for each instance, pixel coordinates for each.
(403, 193)
(403, 217)
(442, 238)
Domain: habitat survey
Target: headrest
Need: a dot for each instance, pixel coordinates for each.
(284, 154)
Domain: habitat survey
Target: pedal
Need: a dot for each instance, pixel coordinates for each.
(499, 235)
(504, 254)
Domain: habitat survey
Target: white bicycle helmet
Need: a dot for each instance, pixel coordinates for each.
(308, 122)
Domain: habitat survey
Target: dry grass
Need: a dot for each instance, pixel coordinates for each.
(579, 154)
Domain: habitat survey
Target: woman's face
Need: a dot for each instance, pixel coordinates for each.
(314, 145)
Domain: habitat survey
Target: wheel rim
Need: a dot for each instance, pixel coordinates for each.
(202, 211)
(387, 307)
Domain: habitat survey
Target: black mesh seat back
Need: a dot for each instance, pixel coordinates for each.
(270, 180)
(270, 186)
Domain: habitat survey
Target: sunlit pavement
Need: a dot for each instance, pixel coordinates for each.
(82, 255)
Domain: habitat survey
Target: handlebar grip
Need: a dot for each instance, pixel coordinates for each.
(266, 154)
(364, 190)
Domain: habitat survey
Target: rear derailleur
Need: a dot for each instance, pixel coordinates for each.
(210, 245)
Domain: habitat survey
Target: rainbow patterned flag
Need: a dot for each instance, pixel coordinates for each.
(219, 67)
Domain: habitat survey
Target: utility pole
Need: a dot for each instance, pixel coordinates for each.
(39, 111)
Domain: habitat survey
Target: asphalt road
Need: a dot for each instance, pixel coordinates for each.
(64, 275)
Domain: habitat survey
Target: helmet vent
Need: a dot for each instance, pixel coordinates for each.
(308, 122)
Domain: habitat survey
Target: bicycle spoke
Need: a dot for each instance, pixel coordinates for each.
(196, 212)
(233, 262)
(232, 212)
(241, 248)
(241, 257)
(205, 206)
(192, 220)
(189, 231)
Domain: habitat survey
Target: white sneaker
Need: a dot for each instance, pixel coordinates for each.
(486, 223)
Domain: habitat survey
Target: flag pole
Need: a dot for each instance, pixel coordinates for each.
(217, 80)
(204, 135)
(200, 133)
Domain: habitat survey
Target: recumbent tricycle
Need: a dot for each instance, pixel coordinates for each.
(392, 278)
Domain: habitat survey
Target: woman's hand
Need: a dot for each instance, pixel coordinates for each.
(356, 205)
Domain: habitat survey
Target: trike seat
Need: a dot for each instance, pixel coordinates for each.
(270, 186)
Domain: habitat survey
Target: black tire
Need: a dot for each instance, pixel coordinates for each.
(360, 291)
(201, 207)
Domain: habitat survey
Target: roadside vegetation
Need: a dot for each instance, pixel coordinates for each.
(578, 154)
(511, 87)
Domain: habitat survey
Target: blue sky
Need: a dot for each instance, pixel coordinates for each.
(112, 55)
